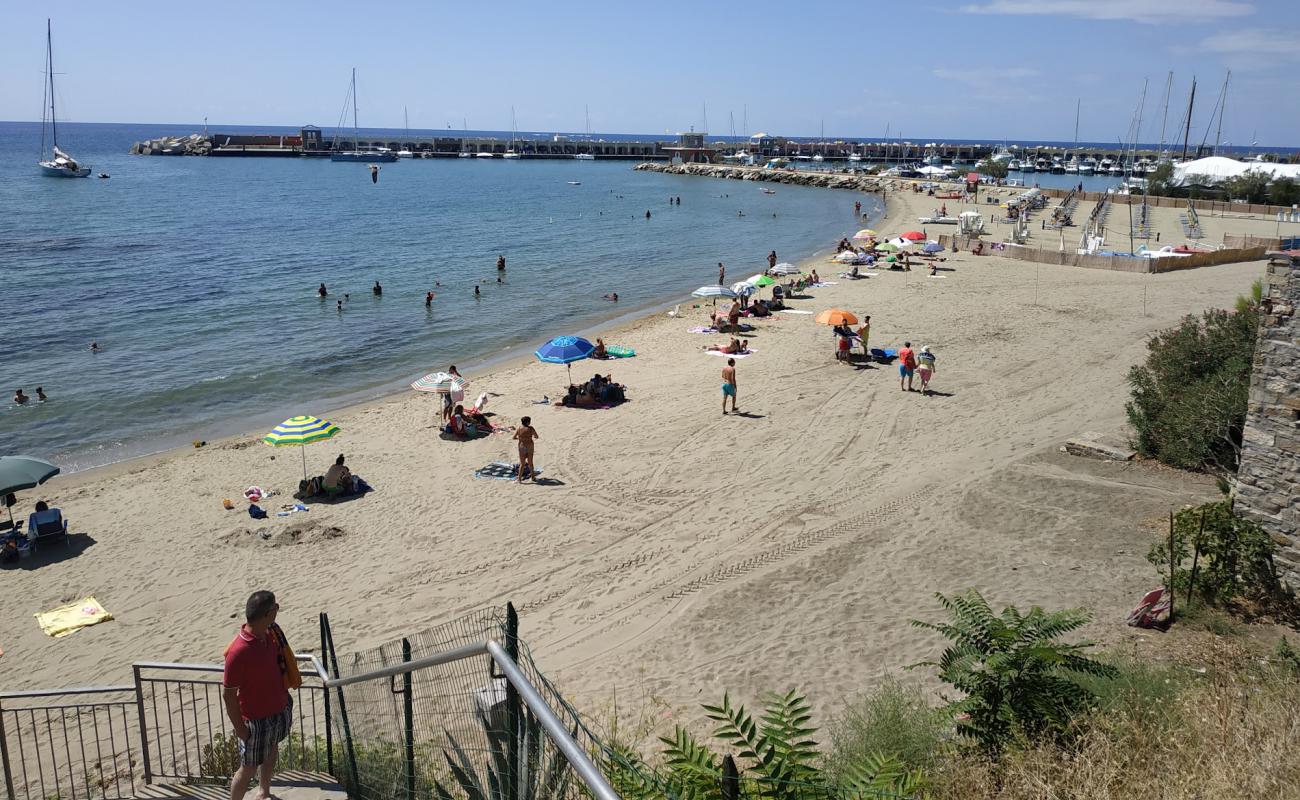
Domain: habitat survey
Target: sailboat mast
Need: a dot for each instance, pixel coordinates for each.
(1137, 130)
(49, 56)
(1223, 103)
(1078, 104)
(1187, 131)
(355, 136)
(1164, 121)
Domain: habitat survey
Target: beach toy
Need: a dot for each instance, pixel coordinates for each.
(227, 504)
(253, 494)
(619, 351)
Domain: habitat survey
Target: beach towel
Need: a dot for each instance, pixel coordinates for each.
(67, 620)
(697, 329)
(745, 354)
(821, 284)
(792, 311)
(501, 471)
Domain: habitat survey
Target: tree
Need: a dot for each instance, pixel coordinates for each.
(1284, 191)
(1251, 186)
(994, 169)
(1188, 403)
(1159, 181)
(1219, 556)
(1018, 679)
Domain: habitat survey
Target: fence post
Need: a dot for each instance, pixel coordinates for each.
(513, 709)
(408, 713)
(144, 731)
(355, 789)
(4, 756)
(730, 779)
(329, 733)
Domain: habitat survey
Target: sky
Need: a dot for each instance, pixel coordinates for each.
(930, 69)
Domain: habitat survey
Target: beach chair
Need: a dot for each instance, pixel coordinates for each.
(47, 527)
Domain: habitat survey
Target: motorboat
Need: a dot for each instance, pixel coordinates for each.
(59, 164)
(1088, 166)
(574, 183)
(1013, 164)
(1116, 168)
(818, 158)
(1058, 166)
(854, 157)
(584, 156)
(1027, 166)
(1002, 154)
(464, 155)
(1072, 166)
(356, 154)
(511, 154)
(485, 154)
(1104, 166)
(1042, 165)
(404, 153)
(767, 191)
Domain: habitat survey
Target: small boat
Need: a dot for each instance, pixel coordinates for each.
(484, 154)
(511, 154)
(584, 157)
(464, 155)
(59, 164)
(768, 191)
(1013, 165)
(1072, 167)
(406, 120)
(818, 158)
(1088, 166)
(854, 157)
(575, 183)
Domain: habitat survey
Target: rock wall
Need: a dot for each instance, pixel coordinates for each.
(1268, 481)
(794, 177)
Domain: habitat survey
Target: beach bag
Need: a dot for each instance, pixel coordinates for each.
(255, 511)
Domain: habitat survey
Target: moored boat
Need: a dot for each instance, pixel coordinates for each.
(59, 164)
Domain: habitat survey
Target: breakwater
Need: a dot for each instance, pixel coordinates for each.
(825, 180)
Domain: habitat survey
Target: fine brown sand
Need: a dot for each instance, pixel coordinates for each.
(673, 550)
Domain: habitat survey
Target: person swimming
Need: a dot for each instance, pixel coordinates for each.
(477, 293)
(428, 300)
(374, 173)
(612, 297)
(322, 291)
(378, 290)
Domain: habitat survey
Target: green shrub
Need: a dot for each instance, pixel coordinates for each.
(893, 718)
(1220, 556)
(1018, 680)
(1188, 403)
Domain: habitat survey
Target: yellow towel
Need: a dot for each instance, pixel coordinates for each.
(73, 617)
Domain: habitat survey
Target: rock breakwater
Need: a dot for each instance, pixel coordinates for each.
(858, 183)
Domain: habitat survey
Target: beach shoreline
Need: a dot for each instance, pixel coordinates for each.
(669, 545)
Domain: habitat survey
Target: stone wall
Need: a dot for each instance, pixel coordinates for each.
(1268, 481)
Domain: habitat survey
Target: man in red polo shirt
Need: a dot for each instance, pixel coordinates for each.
(257, 702)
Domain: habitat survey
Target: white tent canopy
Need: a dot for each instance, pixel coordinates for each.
(1218, 168)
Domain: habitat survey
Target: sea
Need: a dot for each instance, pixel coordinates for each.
(197, 277)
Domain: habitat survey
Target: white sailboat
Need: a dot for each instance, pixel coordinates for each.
(356, 154)
(406, 122)
(586, 156)
(514, 134)
(59, 164)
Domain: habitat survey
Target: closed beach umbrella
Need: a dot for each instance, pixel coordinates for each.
(934, 247)
(301, 431)
(865, 233)
(440, 383)
(914, 236)
(785, 268)
(836, 316)
(566, 350)
(743, 289)
(23, 472)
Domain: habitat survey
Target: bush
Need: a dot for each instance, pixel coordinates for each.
(1219, 557)
(1284, 191)
(894, 718)
(1188, 403)
(1018, 680)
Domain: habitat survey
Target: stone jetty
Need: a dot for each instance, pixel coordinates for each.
(195, 144)
(858, 183)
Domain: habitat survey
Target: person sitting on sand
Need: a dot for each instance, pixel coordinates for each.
(338, 477)
(599, 352)
(815, 277)
(733, 315)
(458, 426)
(760, 309)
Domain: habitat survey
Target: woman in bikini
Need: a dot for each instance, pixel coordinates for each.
(526, 434)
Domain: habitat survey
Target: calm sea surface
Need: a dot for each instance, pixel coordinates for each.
(198, 276)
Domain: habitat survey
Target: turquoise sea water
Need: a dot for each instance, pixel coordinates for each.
(198, 276)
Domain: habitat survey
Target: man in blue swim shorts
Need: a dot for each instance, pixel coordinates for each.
(729, 385)
(906, 367)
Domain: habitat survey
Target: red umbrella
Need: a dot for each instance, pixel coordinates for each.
(915, 236)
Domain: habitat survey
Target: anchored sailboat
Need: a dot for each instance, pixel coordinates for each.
(59, 164)
(512, 153)
(586, 156)
(356, 154)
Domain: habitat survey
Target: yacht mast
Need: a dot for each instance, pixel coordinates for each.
(49, 55)
(1137, 130)
(355, 137)
(1164, 121)
(1223, 104)
(1187, 131)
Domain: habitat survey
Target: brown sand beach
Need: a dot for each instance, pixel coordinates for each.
(669, 549)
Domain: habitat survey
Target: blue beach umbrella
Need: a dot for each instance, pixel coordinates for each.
(934, 247)
(565, 350)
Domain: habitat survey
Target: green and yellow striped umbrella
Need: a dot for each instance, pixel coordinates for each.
(299, 432)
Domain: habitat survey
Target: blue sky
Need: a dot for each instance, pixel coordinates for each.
(933, 69)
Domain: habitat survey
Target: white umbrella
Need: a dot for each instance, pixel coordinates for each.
(714, 291)
(441, 383)
(785, 268)
(744, 288)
